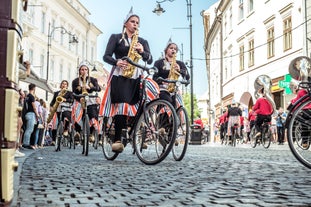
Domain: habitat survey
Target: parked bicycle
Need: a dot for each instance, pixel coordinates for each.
(183, 131)
(85, 133)
(264, 138)
(151, 132)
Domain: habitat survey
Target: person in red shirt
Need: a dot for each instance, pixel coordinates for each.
(263, 108)
(199, 122)
(223, 124)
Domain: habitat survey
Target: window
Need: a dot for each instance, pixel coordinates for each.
(270, 42)
(43, 22)
(287, 34)
(225, 24)
(241, 57)
(68, 72)
(251, 51)
(62, 38)
(42, 64)
(241, 10)
(61, 71)
(250, 5)
(83, 48)
(51, 72)
(230, 19)
(52, 26)
(30, 58)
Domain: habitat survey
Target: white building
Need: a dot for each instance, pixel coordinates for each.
(72, 39)
(245, 39)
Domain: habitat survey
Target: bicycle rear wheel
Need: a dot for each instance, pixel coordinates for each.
(266, 137)
(155, 132)
(234, 137)
(298, 133)
(253, 138)
(85, 135)
(182, 135)
(59, 136)
(107, 141)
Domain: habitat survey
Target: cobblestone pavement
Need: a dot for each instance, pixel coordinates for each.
(210, 175)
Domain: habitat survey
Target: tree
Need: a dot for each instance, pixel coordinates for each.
(187, 105)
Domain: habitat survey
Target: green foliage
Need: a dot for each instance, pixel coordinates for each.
(187, 105)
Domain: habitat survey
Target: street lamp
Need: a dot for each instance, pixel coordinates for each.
(159, 10)
(72, 39)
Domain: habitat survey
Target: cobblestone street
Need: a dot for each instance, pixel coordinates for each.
(210, 175)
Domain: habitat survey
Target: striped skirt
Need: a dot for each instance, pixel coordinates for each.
(108, 109)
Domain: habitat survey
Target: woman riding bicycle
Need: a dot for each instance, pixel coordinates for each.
(84, 84)
(164, 66)
(65, 105)
(121, 97)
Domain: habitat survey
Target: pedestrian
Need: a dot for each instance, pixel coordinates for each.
(223, 120)
(35, 134)
(31, 115)
(215, 129)
(43, 126)
(19, 125)
(121, 97)
(273, 130)
(247, 129)
(280, 125)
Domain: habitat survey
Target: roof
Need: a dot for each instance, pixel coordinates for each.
(33, 78)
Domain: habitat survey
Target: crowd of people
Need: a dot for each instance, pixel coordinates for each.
(262, 110)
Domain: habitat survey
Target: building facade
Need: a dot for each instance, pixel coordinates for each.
(57, 37)
(245, 39)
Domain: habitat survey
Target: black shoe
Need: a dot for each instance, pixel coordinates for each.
(27, 147)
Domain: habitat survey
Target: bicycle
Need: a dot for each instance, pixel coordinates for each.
(298, 124)
(61, 139)
(84, 139)
(151, 131)
(235, 134)
(264, 138)
(183, 131)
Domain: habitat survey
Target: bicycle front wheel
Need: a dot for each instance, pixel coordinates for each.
(85, 135)
(299, 133)
(155, 132)
(182, 135)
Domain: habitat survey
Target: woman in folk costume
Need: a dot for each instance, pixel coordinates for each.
(66, 104)
(121, 97)
(164, 66)
(85, 84)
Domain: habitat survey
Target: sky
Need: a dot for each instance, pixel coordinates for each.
(109, 15)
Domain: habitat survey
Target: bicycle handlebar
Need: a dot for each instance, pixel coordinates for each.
(81, 95)
(150, 71)
(185, 82)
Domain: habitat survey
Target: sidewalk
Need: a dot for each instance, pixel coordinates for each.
(17, 174)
